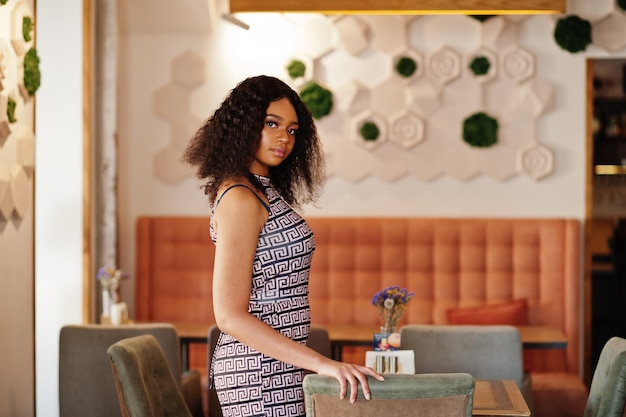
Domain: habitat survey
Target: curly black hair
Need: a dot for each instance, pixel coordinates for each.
(225, 145)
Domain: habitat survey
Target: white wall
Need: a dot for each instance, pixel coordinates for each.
(231, 54)
(58, 190)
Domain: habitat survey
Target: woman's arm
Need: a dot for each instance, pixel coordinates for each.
(238, 220)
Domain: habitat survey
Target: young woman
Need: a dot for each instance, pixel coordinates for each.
(260, 156)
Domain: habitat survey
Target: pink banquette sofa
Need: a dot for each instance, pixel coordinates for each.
(449, 263)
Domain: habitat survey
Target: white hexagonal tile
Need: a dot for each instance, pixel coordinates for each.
(537, 97)
(590, 10)
(389, 97)
(425, 169)
(406, 129)
(518, 63)
(184, 129)
(189, 70)
(388, 33)
(535, 160)
(419, 62)
(167, 165)
(610, 32)
(352, 34)
(316, 36)
(25, 148)
(444, 65)
(491, 57)
(358, 122)
(352, 166)
(20, 45)
(501, 95)
(491, 31)
(499, 162)
(309, 70)
(389, 166)
(5, 128)
(516, 128)
(425, 98)
(461, 162)
(171, 102)
(359, 101)
(21, 191)
(6, 198)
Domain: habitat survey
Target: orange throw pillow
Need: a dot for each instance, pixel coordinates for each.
(513, 313)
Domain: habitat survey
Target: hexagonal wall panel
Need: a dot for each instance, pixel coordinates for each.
(389, 97)
(499, 162)
(171, 102)
(518, 63)
(389, 166)
(590, 10)
(358, 122)
(352, 34)
(535, 160)
(516, 128)
(5, 128)
(316, 36)
(461, 162)
(425, 98)
(359, 100)
(388, 33)
(184, 129)
(610, 32)
(309, 70)
(493, 64)
(20, 191)
(167, 165)
(537, 97)
(6, 198)
(444, 65)
(406, 129)
(25, 149)
(416, 57)
(20, 45)
(189, 70)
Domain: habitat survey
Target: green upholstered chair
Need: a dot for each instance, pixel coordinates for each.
(484, 351)
(145, 384)
(86, 384)
(424, 395)
(607, 394)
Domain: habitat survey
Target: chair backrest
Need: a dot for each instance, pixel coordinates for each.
(86, 384)
(426, 395)
(607, 394)
(145, 384)
(318, 341)
(485, 352)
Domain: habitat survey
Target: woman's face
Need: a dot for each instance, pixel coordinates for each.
(277, 137)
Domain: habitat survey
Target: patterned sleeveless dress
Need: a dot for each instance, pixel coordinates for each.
(249, 383)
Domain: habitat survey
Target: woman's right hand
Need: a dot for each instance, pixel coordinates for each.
(347, 373)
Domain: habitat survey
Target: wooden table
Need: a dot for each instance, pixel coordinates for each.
(535, 337)
(496, 397)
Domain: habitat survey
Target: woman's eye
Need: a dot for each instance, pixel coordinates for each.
(271, 123)
(292, 131)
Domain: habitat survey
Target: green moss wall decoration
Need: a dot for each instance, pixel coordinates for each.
(32, 75)
(480, 130)
(572, 33)
(11, 105)
(369, 131)
(27, 28)
(318, 99)
(3, 2)
(480, 65)
(296, 69)
(406, 66)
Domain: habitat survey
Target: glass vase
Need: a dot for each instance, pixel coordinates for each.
(388, 329)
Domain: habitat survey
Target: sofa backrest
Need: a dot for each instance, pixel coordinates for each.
(446, 262)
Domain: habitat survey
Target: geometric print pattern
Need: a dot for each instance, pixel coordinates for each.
(249, 383)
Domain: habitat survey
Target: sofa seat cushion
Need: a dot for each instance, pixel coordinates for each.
(558, 394)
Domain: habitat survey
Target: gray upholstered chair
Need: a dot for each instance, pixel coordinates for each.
(426, 395)
(607, 394)
(483, 351)
(145, 384)
(318, 341)
(86, 384)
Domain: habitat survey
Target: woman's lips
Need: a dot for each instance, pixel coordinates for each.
(279, 152)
